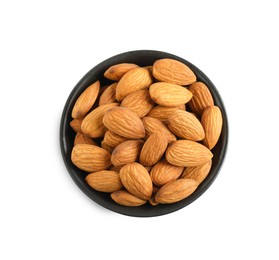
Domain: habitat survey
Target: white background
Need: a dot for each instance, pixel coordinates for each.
(47, 46)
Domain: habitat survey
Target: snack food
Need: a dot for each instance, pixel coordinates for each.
(139, 140)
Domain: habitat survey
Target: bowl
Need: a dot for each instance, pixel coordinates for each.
(141, 58)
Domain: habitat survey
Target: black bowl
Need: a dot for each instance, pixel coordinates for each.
(142, 58)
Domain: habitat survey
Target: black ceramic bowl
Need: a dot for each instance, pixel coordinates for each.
(141, 58)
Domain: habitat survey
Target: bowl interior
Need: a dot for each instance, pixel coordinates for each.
(141, 58)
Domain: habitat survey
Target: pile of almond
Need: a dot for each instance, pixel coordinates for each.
(136, 139)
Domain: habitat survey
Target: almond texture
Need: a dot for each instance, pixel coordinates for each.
(86, 100)
(117, 71)
(125, 198)
(108, 95)
(104, 181)
(124, 122)
(136, 180)
(187, 153)
(173, 71)
(90, 158)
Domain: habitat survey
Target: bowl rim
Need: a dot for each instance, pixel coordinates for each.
(100, 198)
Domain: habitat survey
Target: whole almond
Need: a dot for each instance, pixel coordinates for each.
(197, 173)
(136, 180)
(186, 125)
(169, 95)
(212, 123)
(92, 124)
(187, 153)
(104, 181)
(108, 96)
(86, 100)
(153, 149)
(176, 190)
(83, 139)
(162, 113)
(139, 101)
(153, 125)
(201, 99)
(133, 80)
(117, 71)
(173, 71)
(163, 172)
(124, 122)
(76, 124)
(90, 157)
(125, 198)
(113, 139)
(126, 152)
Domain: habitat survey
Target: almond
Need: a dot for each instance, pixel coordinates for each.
(107, 147)
(104, 181)
(108, 96)
(197, 173)
(133, 80)
(152, 201)
(186, 125)
(173, 71)
(136, 180)
(187, 153)
(163, 172)
(90, 157)
(212, 123)
(152, 125)
(169, 95)
(92, 124)
(162, 113)
(176, 190)
(113, 139)
(86, 100)
(124, 122)
(125, 198)
(117, 71)
(76, 124)
(139, 101)
(83, 139)
(201, 99)
(153, 149)
(126, 152)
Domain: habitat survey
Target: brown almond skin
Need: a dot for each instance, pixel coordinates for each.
(153, 149)
(197, 173)
(163, 172)
(92, 125)
(108, 96)
(139, 102)
(90, 158)
(117, 71)
(212, 123)
(186, 126)
(162, 113)
(104, 181)
(76, 124)
(169, 95)
(173, 71)
(86, 100)
(107, 147)
(136, 180)
(126, 152)
(124, 122)
(125, 198)
(83, 139)
(175, 191)
(201, 99)
(133, 80)
(153, 125)
(113, 139)
(187, 153)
